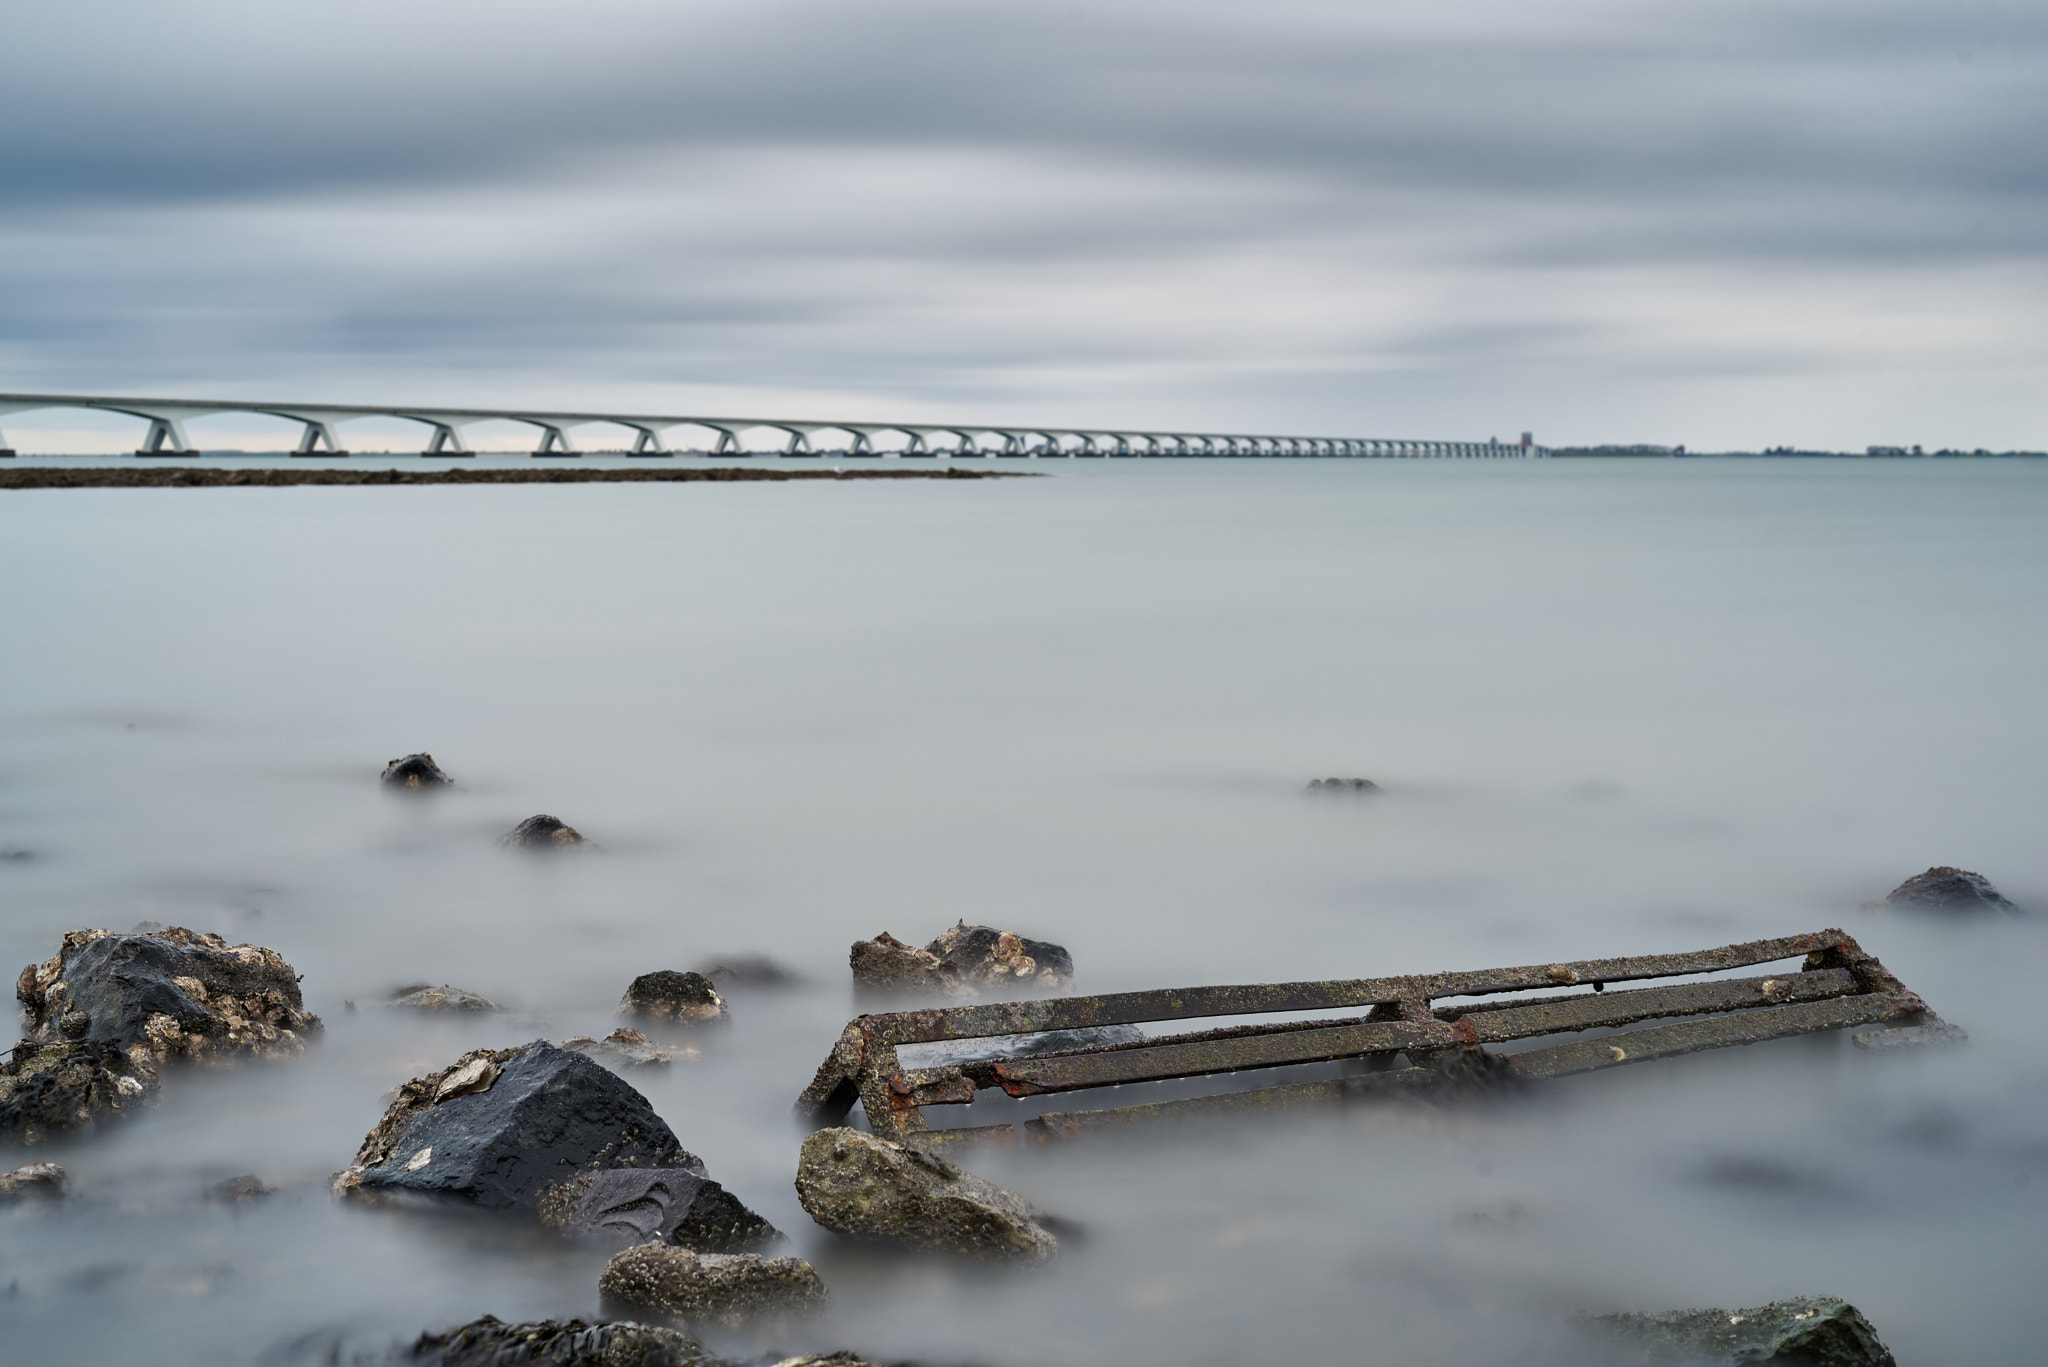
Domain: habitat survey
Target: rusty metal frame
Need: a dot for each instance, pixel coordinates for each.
(1838, 987)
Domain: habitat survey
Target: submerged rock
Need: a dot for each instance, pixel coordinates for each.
(1949, 889)
(543, 833)
(856, 1184)
(48, 1091)
(1809, 1331)
(725, 1290)
(415, 773)
(673, 998)
(963, 961)
(421, 997)
(1341, 785)
(36, 1181)
(679, 1206)
(236, 1190)
(499, 1127)
(749, 970)
(623, 1049)
(490, 1342)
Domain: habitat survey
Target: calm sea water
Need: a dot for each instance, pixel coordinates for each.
(1616, 707)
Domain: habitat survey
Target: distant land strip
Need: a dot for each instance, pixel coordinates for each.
(200, 477)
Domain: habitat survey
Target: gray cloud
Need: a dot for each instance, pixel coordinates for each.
(1299, 216)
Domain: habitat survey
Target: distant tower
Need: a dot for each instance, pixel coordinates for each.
(1528, 439)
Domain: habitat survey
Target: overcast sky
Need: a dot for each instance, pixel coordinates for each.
(1728, 225)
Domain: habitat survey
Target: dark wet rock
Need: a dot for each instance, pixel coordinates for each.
(677, 1206)
(749, 970)
(673, 998)
(1949, 889)
(421, 997)
(725, 1290)
(414, 774)
(545, 833)
(166, 994)
(35, 1182)
(497, 1128)
(1342, 785)
(490, 1342)
(949, 1053)
(963, 961)
(236, 1190)
(988, 958)
(48, 1091)
(623, 1050)
(857, 1184)
(1809, 1331)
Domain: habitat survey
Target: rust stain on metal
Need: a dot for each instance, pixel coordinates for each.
(1404, 1041)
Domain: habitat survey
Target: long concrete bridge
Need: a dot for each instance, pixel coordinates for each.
(167, 435)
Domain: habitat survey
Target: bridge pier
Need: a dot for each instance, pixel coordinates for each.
(317, 434)
(164, 431)
(446, 441)
(647, 442)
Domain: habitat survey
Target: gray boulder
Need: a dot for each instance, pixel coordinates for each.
(166, 993)
(1806, 1331)
(498, 1128)
(36, 1181)
(1949, 889)
(545, 834)
(963, 961)
(671, 998)
(856, 1184)
(679, 1206)
(721, 1290)
(414, 774)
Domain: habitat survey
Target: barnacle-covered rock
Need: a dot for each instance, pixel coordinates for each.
(857, 1184)
(623, 1050)
(490, 1342)
(724, 1290)
(421, 997)
(165, 994)
(543, 834)
(963, 961)
(48, 1091)
(673, 998)
(414, 774)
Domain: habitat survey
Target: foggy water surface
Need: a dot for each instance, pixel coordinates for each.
(1617, 708)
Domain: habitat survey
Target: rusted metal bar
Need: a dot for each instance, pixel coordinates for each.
(1839, 986)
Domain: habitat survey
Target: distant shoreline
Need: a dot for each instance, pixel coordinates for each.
(201, 477)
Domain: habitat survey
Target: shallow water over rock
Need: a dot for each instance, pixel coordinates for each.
(1613, 708)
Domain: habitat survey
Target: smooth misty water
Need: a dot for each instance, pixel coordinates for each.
(1618, 708)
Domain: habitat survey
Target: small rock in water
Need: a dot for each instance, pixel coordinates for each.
(625, 1206)
(545, 833)
(985, 957)
(673, 998)
(623, 1049)
(1809, 1331)
(725, 1290)
(37, 1181)
(749, 970)
(490, 1342)
(963, 961)
(421, 997)
(856, 1184)
(52, 1090)
(497, 1128)
(235, 1190)
(1949, 889)
(1342, 785)
(414, 774)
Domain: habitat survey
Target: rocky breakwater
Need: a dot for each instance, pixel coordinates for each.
(109, 1010)
(964, 961)
(856, 1184)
